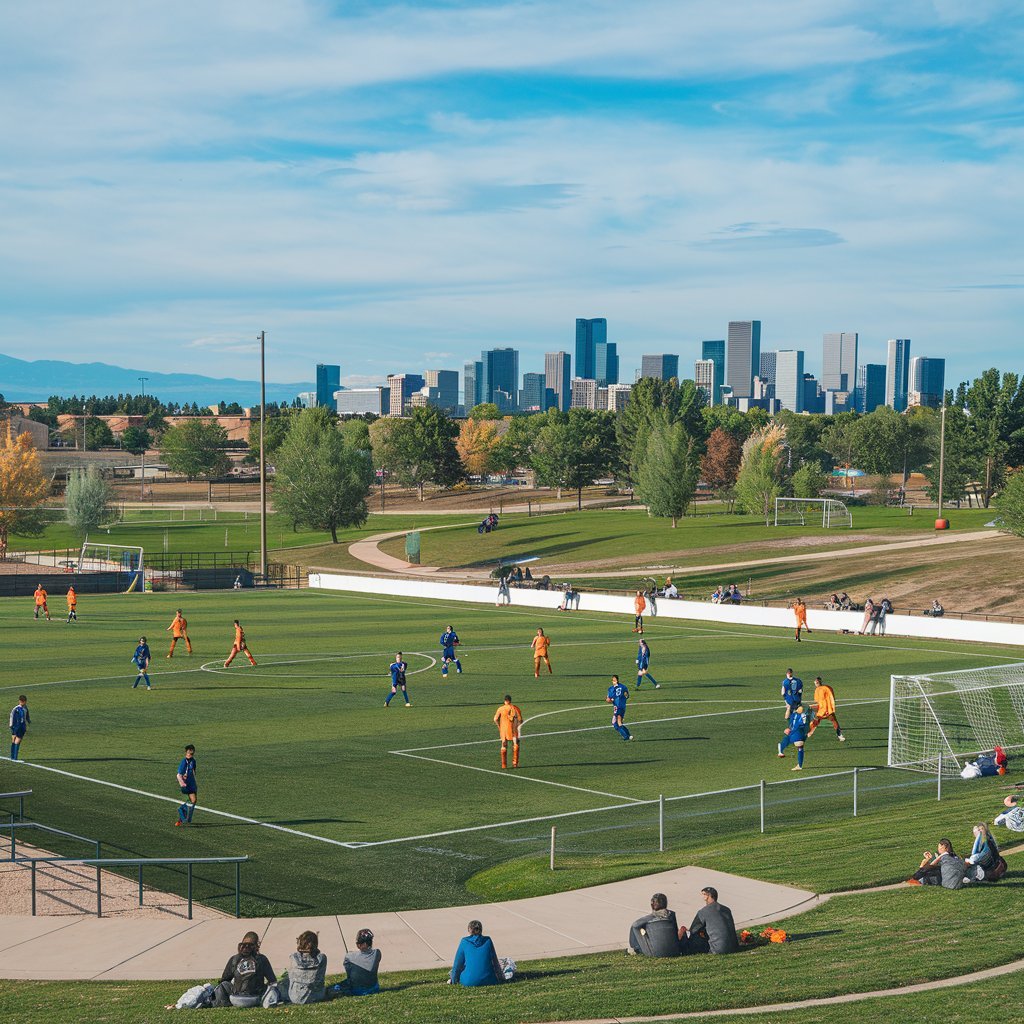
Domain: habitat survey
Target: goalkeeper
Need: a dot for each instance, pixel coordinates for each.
(824, 704)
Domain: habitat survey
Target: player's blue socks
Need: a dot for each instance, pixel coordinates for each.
(191, 811)
(783, 743)
(183, 813)
(622, 731)
(458, 666)
(800, 757)
(387, 699)
(14, 751)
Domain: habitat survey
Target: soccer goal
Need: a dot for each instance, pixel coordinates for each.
(954, 716)
(826, 512)
(125, 558)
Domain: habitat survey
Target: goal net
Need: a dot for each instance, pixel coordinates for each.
(954, 716)
(825, 512)
(123, 558)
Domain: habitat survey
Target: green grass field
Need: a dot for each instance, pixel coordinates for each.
(308, 768)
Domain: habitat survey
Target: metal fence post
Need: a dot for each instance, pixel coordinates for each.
(855, 792)
(33, 888)
(190, 890)
(99, 891)
(938, 785)
(238, 887)
(661, 823)
(551, 862)
(140, 885)
(21, 808)
(762, 804)
(14, 841)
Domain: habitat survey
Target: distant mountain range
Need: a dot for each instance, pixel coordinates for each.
(22, 380)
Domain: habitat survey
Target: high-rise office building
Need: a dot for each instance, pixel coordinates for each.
(839, 361)
(789, 379)
(584, 393)
(358, 401)
(662, 367)
(767, 368)
(446, 382)
(742, 356)
(589, 334)
(403, 386)
(533, 393)
(897, 373)
(501, 373)
(617, 397)
(814, 397)
(715, 351)
(328, 380)
(870, 392)
(472, 378)
(558, 378)
(927, 382)
(704, 378)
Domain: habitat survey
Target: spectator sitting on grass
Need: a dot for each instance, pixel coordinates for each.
(984, 856)
(734, 594)
(246, 976)
(718, 596)
(657, 933)
(845, 603)
(936, 610)
(476, 962)
(670, 589)
(943, 868)
(1012, 817)
(713, 929)
(361, 966)
(307, 968)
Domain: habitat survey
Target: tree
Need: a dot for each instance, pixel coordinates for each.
(762, 473)
(97, 434)
(476, 445)
(275, 432)
(962, 459)
(515, 447)
(721, 462)
(668, 474)
(321, 481)
(421, 450)
(573, 449)
(23, 488)
(135, 440)
(803, 436)
(356, 432)
(809, 481)
(1010, 503)
(87, 501)
(195, 449)
(485, 411)
(996, 408)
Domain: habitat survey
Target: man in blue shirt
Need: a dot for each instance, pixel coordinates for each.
(617, 697)
(449, 641)
(796, 733)
(397, 670)
(643, 663)
(792, 692)
(187, 784)
(141, 659)
(20, 721)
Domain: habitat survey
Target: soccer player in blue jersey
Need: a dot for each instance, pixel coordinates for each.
(643, 666)
(188, 787)
(397, 670)
(792, 692)
(449, 641)
(141, 659)
(617, 697)
(796, 734)
(20, 722)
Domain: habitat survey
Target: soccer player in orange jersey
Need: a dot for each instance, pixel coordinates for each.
(509, 720)
(540, 645)
(72, 604)
(40, 596)
(824, 707)
(179, 631)
(239, 646)
(800, 611)
(639, 606)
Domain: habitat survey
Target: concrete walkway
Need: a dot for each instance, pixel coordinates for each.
(591, 920)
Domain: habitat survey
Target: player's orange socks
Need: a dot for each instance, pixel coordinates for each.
(515, 756)
(504, 758)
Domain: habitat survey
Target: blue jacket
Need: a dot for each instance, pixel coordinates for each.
(476, 963)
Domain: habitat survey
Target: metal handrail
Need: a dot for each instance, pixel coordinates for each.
(12, 825)
(141, 862)
(20, 796)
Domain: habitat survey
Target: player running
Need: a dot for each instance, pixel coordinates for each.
(179, 631)
(72, 604)
(540, 645)
(509, 720)
(795, 734)
(397, 669)
(141, 659)
(617, 697)
(643, 663)
(40, 596)
(188, 787)
(449, 641)
(239, 646)
(800, 611)
(19, 722)
(639, 605)
(792, 692)
(824, 704)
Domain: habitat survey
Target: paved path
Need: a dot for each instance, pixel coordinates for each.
(591, 920)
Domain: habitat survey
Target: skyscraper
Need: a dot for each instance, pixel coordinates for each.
(839, 361)
(743, 356)
(328, 380)
(704, 378)
(472, 378)
(767, 369)
(584, 393)
(789, 379)
(501, 373)
(531, 397)
(402, 386)
(870, 387)
(662, 367)
(447, 384)
(558, 378)
(897, 373)
(927, 381)
(715, 351)
(589, 334)
(814, 397)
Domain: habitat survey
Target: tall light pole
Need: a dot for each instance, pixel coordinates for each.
(942, 461)
(263, 455)
(142, 483)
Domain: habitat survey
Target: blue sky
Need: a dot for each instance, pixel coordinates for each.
(393, 187)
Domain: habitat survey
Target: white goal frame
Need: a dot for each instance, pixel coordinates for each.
(127, 558)
(830, 511)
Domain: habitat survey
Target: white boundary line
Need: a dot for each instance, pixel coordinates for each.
(216, 668)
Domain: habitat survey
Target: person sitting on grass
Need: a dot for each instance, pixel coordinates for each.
(943, 868)
(246, 976)
(983, 863)
(713, 929)
(936, 611)
(307, 969)
(1013, 816)
(476, 962)
(657, 933)
(718, 596)
(671, 591)
(361, 966)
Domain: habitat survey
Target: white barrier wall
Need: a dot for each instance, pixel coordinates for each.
(740, 615)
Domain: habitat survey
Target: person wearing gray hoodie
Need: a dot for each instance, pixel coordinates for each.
(307, 969)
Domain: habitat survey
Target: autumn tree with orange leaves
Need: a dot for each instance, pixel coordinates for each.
(23, 488)
(476, 445)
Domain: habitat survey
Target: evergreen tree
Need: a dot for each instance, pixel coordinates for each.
(87, 501)
(668, 475)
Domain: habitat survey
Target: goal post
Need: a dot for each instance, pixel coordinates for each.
(824, 512)
(119, 558)
(954, 716)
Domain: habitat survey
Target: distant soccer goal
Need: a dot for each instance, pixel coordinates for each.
(954, 716)
(125, 558)
(825, 512)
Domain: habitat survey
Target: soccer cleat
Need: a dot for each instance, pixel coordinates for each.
(797, 768)
(632, 737)
(168, 655)
(179, 823)
(657, 686)
(225, 664)
(408, 704)
(536, 675)
(781, 754)
(842, 738)
(386, 704)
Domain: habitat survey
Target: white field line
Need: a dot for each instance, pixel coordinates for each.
(217, 667)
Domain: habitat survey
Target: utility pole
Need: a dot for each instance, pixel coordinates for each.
(263, 455)
(142, 482)
(942, 461)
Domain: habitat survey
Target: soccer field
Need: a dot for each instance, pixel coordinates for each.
(346, 806)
